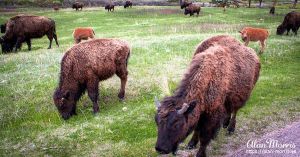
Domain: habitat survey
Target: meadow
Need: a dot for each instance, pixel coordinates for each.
(163, 41)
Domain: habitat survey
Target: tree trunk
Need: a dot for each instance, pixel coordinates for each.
(249, 3)
(180, 2)
(295, 3)
(260, 1)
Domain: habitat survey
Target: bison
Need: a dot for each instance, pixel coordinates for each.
(77, 5)
(83, 33)
(272, 10)
(255, 34)
(23, 28)
(185, 4)
(217, 84)
(109, 7)
(291, 21)
(191, 9)
(86, 64)
(128, 4)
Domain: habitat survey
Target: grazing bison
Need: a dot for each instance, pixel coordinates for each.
(255, 34)
(218, 83)
(109, 7)
(77, 5)
(291, 21)
(83, 33)
(128, 4)
(26, 27)
(185, 4)
(272, 10)
(191, 9)
(84, 66)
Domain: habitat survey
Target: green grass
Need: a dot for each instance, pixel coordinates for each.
(163, 41)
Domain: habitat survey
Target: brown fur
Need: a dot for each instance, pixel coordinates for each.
(255, 34)
(128, 4)
(291, 22)
(109, 7)
(185, 4)
(83, 33)
(77, 5)
(23, 28)
(191, 9)
(84, 66)
(218, 83)
(56, 8)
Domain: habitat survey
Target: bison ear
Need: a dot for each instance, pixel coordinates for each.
(187, 108)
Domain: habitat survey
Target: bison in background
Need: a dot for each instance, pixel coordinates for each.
(22, 28)
(109, 7)
(77, 5)
(191, 9)
(291, 21)
(128, 4)
(217, 84)
(83, 33)
(84, 66)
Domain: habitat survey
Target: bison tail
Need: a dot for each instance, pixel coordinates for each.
(127, 58)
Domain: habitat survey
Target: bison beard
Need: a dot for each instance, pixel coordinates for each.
(84, 66)
(217, 84)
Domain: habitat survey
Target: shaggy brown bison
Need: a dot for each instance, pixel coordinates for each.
(23, 28)
(83, 33)
(291, 21)
(109, 7)
(185, 4)
(77, 5)
(255, 34)
(128, 4)
(84, 66)
(191, 9)
(218, 83)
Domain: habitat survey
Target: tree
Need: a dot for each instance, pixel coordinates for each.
(295, 3)
(249, 3)
(260, 1)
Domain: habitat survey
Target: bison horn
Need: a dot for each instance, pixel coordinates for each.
(157, 103)
(184, 108)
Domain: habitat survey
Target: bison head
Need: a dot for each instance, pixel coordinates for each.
(187, 11)
(243, 35)
(3, 28)
(280, 30)
(172, 126)
(65, 104)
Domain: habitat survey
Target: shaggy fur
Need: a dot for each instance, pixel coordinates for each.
(26, 27)
(191, 9)
(84, 66)
(128, 4)
(185, 4)
(109, 7)
(83, 33)
(77, 5)
(291, 21)
(255, 34)
(218, 83)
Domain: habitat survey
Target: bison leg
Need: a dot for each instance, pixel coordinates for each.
(50, 37)
(247, 42)
(294, 29)
(18, 43)
(93, 92)
(262, 46)
(231, 126)
(194, 141)
(28, 41)
(122, 74)
(287, 31)
(55, 38)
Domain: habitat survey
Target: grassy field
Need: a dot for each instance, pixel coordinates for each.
(163, 41)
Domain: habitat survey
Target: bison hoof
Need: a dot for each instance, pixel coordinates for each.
(230, 132)
(121, 96)
(191, 145)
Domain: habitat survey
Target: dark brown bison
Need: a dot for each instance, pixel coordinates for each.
(217, 84)
(128, 4)
(291, 21)
(272, 10)
(109, 7)
(185, 4)
(191, 9)
(22, 28)
(8, 46)
(84, 66)
(77, 5)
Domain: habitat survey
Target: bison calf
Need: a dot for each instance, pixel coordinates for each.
(84, 66)
(83, 33)
(255, 34)
(208, 95)
(291, 21)
(191, 9)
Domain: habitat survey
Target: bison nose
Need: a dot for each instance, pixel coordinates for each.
(160, 151)
(66, 117)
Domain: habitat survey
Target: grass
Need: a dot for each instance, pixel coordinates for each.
(163, 41)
